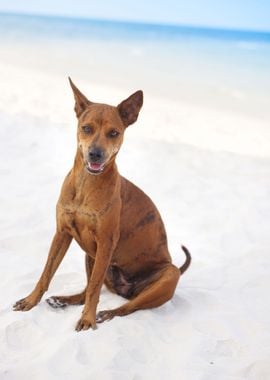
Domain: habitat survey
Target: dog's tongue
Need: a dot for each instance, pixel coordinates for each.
(94, 166)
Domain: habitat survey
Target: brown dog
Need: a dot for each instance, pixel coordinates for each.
(112, 220)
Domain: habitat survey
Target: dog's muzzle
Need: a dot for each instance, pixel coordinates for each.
(95, 161)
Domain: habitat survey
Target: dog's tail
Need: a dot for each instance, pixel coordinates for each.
(186, 264)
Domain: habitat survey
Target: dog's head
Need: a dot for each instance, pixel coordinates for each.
(101, 128)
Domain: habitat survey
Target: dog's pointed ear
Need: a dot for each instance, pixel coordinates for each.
(81, 102)
(129, 109)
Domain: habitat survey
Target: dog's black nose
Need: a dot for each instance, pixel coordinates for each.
(96, 154)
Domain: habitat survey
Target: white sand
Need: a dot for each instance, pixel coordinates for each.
(209, 174)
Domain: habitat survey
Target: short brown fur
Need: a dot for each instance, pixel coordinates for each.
(112, 220)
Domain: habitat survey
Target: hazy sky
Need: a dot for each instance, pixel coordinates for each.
(240, 14)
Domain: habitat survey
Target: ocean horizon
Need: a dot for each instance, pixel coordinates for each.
(220, 67)
(139, 28)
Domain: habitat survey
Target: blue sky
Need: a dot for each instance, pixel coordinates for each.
(239, 14)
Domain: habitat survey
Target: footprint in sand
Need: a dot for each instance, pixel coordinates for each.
(258, 370)
(20, 335)
(227, 348)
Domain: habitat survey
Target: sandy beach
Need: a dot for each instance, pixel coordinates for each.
(206, 167)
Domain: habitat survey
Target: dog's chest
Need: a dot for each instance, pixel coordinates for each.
(84, 216)
(77, 216)
(79, 220)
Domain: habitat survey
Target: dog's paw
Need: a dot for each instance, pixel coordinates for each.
(24, 304)
(84, 324)
(56, 302)
(105, 315)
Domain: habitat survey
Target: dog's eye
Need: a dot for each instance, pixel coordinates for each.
(113, 133)
(87, 129)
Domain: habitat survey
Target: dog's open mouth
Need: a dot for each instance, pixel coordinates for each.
(95, 168)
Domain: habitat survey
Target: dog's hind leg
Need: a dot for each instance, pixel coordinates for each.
(159, 290)
(75, 299)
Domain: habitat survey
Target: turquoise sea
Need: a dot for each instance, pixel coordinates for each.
(215, 67)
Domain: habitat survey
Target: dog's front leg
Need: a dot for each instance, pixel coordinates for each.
(59, 246)
(102, 261)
